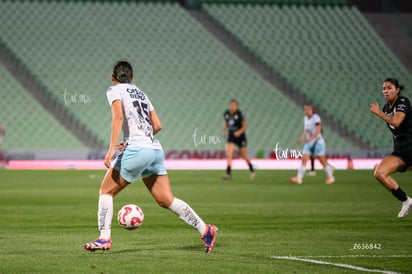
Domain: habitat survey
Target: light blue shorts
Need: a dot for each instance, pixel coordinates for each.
(137, 162)
(317, 149)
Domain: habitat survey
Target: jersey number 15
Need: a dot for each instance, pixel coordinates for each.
(141, 109)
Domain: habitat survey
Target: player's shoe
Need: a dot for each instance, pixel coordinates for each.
(209, 237)
(98, 244)
(295, 180)
(406, 206)
(311, 173)
(330, 180)
(227, 177)
(252, 176)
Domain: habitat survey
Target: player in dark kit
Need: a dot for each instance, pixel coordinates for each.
(235, 126)
(397, 113)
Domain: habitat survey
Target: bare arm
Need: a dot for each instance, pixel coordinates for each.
(395, 120)
(155, 121)
(117, 124)
(224, 130)
(302, 137)
(318, 130)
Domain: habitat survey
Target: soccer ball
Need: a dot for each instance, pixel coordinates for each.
(130, 217)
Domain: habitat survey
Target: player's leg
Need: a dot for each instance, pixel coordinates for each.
(3, 158)
(128, 166)
(157, 182)
(302, 169)
(320, 153)
(306, 153)
(111, 185)
(230, 149)
(159, 187)
(243, 154)
(327, 168)
(312, 171)
(391, 164)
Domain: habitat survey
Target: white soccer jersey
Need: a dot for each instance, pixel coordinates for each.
(310, 126)
(137, 129)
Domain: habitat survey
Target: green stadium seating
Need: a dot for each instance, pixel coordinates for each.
(330, 54)
(277, 2)
(27, 124)
(189, 75)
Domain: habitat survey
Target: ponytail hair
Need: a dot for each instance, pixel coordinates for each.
(123, 71)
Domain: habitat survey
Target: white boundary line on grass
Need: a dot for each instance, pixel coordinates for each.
(357, 256)
(359, 268)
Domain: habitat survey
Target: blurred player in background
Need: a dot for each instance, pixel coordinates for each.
(141, 156)
(397, 113)
(314, 144)
(234, 129)
(3, 159)
(312, 171)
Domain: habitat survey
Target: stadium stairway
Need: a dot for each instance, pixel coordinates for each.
(273, 77)
(396, 30)
(40, 92)
(328, 53)
(190, 80)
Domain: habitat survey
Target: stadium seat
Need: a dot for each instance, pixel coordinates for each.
(27, 124)
(330, 53)
(187, 73)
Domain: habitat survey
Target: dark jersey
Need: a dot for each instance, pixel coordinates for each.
(402, 135)
(234, 121)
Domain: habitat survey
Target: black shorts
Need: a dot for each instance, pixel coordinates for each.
(405, 156)
(238, 141)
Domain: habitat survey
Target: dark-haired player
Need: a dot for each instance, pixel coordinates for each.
(397, 113)
(235, 126)
(141, 156)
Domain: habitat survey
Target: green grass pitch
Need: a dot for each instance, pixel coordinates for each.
(46, 216)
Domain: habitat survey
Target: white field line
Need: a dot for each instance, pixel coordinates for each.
(359, 268)
(357, 256)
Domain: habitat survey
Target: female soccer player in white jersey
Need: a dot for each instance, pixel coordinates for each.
(141, 156)
(397, 113)
(314, 144)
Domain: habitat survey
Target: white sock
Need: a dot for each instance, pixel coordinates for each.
(105, 215)
(301, 172)
(328, 171)
(188, 215)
